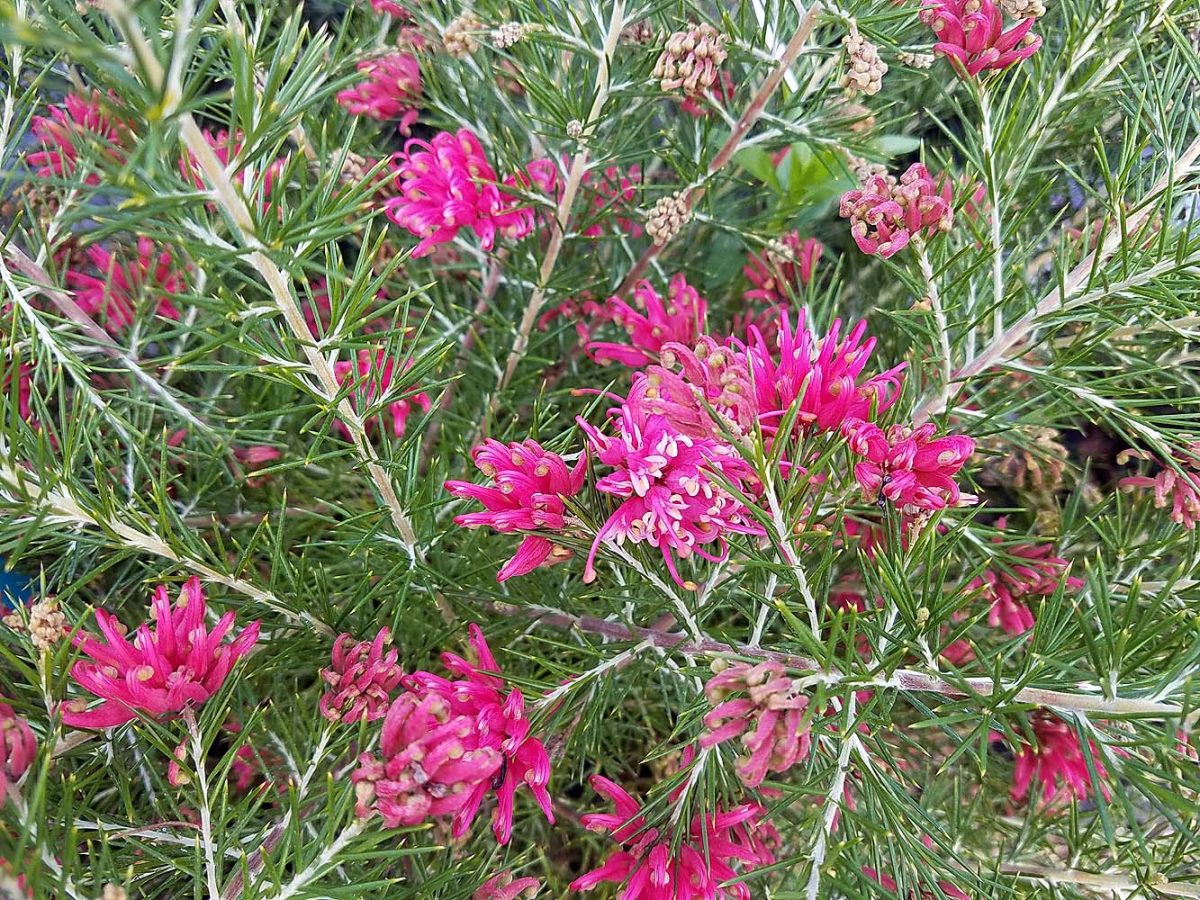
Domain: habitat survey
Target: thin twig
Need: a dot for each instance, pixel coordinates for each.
(1151, 886)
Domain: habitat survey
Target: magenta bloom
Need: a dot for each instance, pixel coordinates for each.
(80, 124)
(389, 8)
(910, 467)
(447, 184)
(430, 763)
(530, 485)
(122, 288)
(373, 377)
(1035, 572)
(392, 90)
(651, 867)
(505, 887)
(1178, 488)
(971, 35)
(783, 268)
(361, 677)
(822, 378)
(667, 500)
(500, 723)
(885, 214)
(178, 664)
(769, 717)
(651, 323)
(1055, 766)
(18, 747)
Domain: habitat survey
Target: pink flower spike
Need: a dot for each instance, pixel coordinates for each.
(505, 887)
(972, 38)
(372, 375)
(71, 129)
(392, 90)
(361, 677)
(179, 664)
(121, 288)
(18, 747)
(1178, 488)
(910, 467)
(1055, 766)
(885, 214)
(1034, 571)
(651, 323)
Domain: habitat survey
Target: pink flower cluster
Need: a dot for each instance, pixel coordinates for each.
(151, 279)
(371, 375)
(1033, 572)
(71, 130)
(694, 866)
(530, 486)
(447, 184)
(769, 715)
(504, 887)
(18, 747)
(782, 269)
(971, 35)
(390, 8)
(1176, 485)
(909, 466)
(177, 665)
(885, 214)
(651, 323)
(1055, 765)
(392, 90)
(361, 677)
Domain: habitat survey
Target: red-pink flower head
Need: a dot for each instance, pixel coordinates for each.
(79, 125)
(667, 499)
(392, 90)
(530, 485)
(505, 887)
(971, 35)
(430, 763)
(389, 8)
(18, 747)
(653, 867)
(909, 466)
(361, 677)
(179, 664)
(651, 323)
(711, 378)
(768, 715)
(500, 724)
(886, 214)
(446, 184)
(1178, 488)
(784, 266)
(152, 278)
(372, 377)
(820, 376)
(1055, 766)
(1033, 571)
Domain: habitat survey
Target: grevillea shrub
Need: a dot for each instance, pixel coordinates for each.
(697, 451)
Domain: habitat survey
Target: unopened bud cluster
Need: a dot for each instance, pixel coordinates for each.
(669, 215)
(864, 67)
(691, 59)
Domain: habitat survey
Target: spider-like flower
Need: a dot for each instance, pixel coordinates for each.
(783, 268)
(1034, 571)
(447, 184)
(768, 715)
(695, 866)
(971, 35)
(819, 377)
(667, 498)
(505, 887)
(71, 130)
(1177, 487)
(391, 90)
(18, 747)
(500, 725)
(361, 677)
(651, 323)
(530, 485)
(1055, 766)
(123, 286)
(430, 763)
(179, 664)
(909, 466)
(886, 214)
(372, 374)
(712, 378)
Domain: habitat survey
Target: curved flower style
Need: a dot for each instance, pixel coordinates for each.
(18, 747)
(1180, 488)
(821, 378)
(652, 867)
(667, 498)
(910, 467)
(886, 214)
(81, 122)
(505, 887)
(431, 763)
(1034, 572)
(651, 323)
(500, 724)
(392, 90)
(1056, 766)
(770, 719)
(121, 287)
(784, 266)
(373, 374)
(179, 664)
(971, 35)
(361, 678)
(447, 184)
(530, 485)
